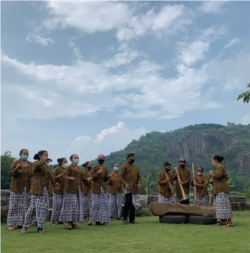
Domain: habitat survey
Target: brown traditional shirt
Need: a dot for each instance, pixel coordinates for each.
(41, 178)
(163, 187)
(201, 180)
(185, 178)
(115, 183)
(220, 179)
(99, 179)
(130, 175)
(86, 185)
(76, 172)
(58, 177)
(21, 177)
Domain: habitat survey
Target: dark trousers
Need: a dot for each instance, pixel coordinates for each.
(129, 208)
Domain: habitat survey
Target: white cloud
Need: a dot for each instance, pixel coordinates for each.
(108, 140)
(40, 40)
(89, 17)
(189, 54)
(111, 130)
(246, 120)
(76, 50)
(232, 43)
(213, 7)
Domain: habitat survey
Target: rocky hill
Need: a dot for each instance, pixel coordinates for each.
(197, 144)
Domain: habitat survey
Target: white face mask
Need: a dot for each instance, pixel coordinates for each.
(65, 165)
(199, 173)
(213, 163)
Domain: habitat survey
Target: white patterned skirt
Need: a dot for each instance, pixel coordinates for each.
(37, 211)
(135, 198)
(18, 205)
(100, 207)
(162, 199)
(222, 206)
(87, 203)
(201, 202)
(57, 206)
(115, 205)
(72, 207)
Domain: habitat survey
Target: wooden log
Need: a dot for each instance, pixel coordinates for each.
(159, 209)
(195, 189)
(172, 189)
(179, 180)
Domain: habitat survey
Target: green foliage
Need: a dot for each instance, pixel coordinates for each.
(245, 95)
(6, 161)
(149, 181)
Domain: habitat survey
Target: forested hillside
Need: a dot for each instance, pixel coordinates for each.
(196, 143)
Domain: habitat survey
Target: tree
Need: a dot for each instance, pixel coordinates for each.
(245, 95)
(149, 181)
(6, 161)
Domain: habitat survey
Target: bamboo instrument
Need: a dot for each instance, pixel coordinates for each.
(205, 187)
(195, 189)
(171, 188)
(179, 180)
(210, 195)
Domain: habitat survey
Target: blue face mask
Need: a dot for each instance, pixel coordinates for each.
(116, 169)
(76, 161)
(24, 157)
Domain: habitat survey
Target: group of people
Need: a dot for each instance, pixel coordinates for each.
(79, 194)
(182, 177)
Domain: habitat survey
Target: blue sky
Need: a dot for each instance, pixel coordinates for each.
(88, 77)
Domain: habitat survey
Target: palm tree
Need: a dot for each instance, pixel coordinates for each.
(149, 181)
(7, 153)
(245, 95)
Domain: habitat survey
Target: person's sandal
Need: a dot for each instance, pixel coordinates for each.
(40, 230)
(229, 225)
(124, 221)
(67, 225)
(74, 226)
(53, 223)
(134, 222)
(89, 223)
(24, 230)
(10, 228)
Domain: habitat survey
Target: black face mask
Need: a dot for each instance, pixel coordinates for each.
(101, 161)
(167, 170)
(131, 161)
(182, 166)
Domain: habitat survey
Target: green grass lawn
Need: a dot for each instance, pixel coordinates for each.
(148, 236)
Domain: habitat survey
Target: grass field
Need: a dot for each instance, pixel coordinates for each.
(148, 236)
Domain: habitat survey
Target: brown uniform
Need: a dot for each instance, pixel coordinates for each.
(163, 186)
(115, 183)
(58, 177)
(201, 180)
(99, 179)
(21, 177)
(185, 178)
(86, 185)
(130, 175)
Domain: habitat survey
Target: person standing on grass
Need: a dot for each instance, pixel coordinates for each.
(200, 183)
(21, 172)
(86, 189)
(100, 213)
(131, 179)
(115, 193)
(164, 188)
(41, 187)
(72, 208)
(58, 190)
(185, 177)
(221, 193)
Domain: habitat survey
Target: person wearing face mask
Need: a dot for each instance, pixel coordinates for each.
(86, 189)
(72, 207)
(41, 187)
(221, 191)
(100, 209)
(21, 172)
(115, 193)
(184, 174)
(164, 190)
(200, 183)
(58, 190)
(131, 180)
